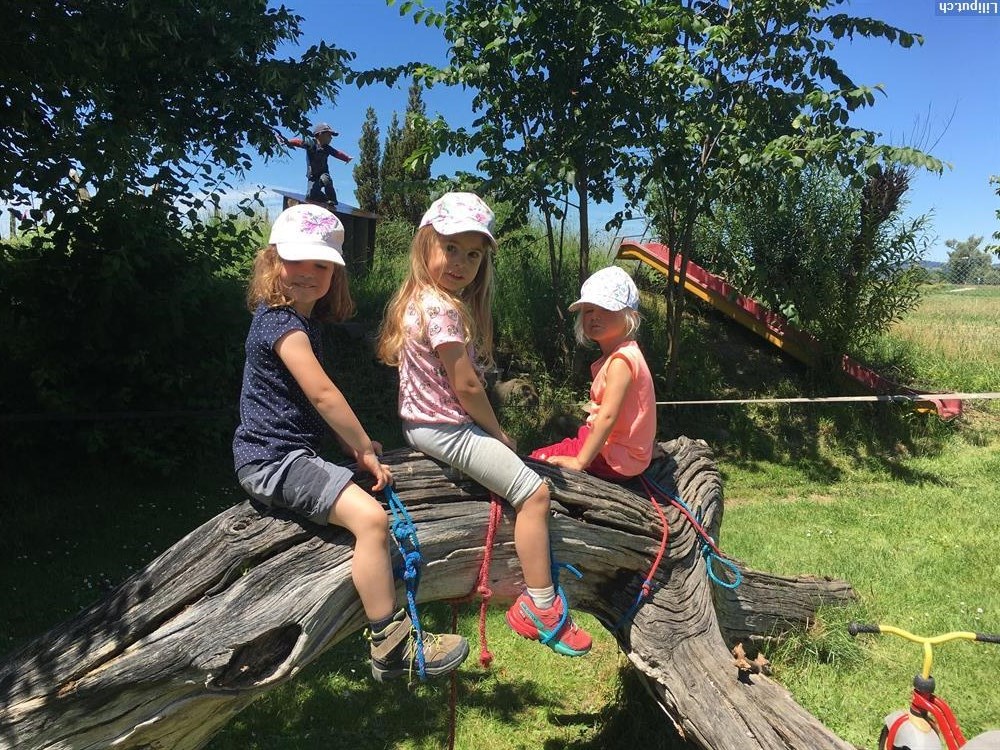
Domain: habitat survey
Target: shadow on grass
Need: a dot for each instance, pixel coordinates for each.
(724, 361)
(339, 703)
(336, 703)
(632, 720)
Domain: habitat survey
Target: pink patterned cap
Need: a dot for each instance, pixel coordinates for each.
(610, 288)
(454, 213)
(308, 232)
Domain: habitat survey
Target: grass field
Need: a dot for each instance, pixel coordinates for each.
(956, 332)
(910, 523)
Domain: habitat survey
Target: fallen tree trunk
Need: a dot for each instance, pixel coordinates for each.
(247, 600)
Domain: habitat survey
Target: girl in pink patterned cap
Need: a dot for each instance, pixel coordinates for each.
(438, 330)
(616, 443)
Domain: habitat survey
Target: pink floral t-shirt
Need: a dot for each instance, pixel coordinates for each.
(425, 393)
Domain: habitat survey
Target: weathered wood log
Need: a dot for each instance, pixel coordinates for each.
(247, 600)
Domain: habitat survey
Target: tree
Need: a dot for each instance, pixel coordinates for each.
(967, 264)
(838, 261)
(141, 95)
(415, 190)
(995, 249)
(548, 82)
(367, 187)
(152, 107)
(734, 96)
(391, 172)
(406, 179)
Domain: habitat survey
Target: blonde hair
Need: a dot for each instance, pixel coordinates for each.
(632, 321)
(475, 304)
(266, 287)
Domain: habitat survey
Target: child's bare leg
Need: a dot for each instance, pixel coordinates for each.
(531, 539)
(392, 644)
(538, 613)
(371, 569)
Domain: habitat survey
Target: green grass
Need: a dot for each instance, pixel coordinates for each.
(954, 333)
(529, 698)
(918, 545)
(71, 533)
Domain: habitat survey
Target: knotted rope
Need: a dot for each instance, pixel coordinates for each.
(404, 532)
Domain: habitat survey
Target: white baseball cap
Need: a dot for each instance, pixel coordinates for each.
(308, 232)
(454, 213)
(610, 288)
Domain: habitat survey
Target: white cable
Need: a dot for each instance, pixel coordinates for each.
(835, 399)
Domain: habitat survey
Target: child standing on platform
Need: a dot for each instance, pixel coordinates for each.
(438, 331)
(287, 404)
(616, 443)
(319, 183)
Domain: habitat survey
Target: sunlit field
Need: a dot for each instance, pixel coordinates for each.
(957, 332)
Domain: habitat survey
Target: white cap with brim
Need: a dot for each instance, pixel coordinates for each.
(454, 213)
(611, 288)
(308, 232)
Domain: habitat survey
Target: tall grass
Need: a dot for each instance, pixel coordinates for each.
(954, 338)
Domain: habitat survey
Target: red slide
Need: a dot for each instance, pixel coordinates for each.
(773, 326)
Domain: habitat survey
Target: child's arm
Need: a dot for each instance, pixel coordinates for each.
(617, 383)
(469, 389)
(338, 154)
(350, 451)
(294, 351)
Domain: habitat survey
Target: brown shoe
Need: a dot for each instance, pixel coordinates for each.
(394, 650)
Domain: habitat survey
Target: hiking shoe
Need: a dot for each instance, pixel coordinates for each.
(553, 626)
(394, 650)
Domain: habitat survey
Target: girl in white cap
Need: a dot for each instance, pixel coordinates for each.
(438, 330)
(288, 403)
(616, 443)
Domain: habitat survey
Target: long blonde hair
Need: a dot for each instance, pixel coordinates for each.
(265, 286)
(475, 304)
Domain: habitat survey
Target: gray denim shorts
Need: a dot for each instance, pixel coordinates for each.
(302, 482)
(478, 455)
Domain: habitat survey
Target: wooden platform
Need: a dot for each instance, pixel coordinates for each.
(359, 229)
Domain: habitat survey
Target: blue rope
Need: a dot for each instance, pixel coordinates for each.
(404, 532)
(709, 551)
(550, 635)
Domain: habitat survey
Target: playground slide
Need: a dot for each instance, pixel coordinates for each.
(773, 326)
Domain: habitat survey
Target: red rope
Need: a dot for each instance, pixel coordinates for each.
(664, 538)
(706, 537)
(482, 588)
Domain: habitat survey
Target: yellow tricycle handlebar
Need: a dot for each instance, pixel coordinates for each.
(928, 642)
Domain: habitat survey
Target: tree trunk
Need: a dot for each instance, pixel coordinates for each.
(247, 600)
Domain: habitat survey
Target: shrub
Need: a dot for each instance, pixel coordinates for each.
(126, 316)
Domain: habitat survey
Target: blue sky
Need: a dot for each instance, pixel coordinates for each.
(943, 96)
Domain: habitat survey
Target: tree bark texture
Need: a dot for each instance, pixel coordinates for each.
(247, 600)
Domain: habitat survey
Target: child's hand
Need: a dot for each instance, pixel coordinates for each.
(381, 472)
